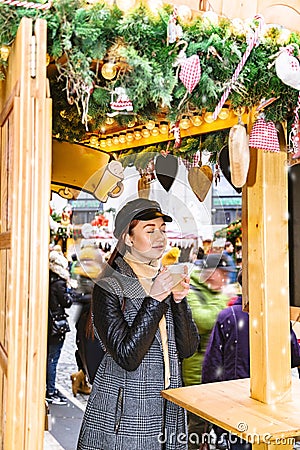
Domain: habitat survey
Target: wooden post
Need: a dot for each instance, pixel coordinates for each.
(266, 280)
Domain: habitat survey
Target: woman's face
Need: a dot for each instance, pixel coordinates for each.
(148, 239)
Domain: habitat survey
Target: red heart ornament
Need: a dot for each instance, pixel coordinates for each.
(190, 72)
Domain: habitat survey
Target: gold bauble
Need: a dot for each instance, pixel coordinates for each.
(125, 5)
(184, 13)
(109, 71)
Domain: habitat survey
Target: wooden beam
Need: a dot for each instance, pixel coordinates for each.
(266, 284)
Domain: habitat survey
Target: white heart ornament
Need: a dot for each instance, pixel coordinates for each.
(288, 69)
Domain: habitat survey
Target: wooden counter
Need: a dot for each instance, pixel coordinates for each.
(228, 404)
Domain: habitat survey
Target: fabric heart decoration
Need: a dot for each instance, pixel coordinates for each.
(288, 67)
(264, 135)
(166, 168)
(225, 167)
(200, 179)
(190, 72)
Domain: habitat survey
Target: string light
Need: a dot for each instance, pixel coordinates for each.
(185, 123)
(164, 128)
(115, 139)
(155, 131)
(150, 124)
(196, 120)
(122, 138)
(145, 132)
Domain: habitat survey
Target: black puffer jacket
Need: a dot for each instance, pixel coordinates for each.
(59, 299)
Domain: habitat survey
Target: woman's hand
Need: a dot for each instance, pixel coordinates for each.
(162, 285)
(185, 284)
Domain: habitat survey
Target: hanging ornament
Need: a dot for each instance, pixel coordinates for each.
(288, 67)
(184, 13)
(122, 105)
(200, 179)
(194, 162)
(166, 167)
(239, 154)
(190, 72)
(109, 70)
(264, 135)
(294, 136)
(225, 167)
(174, 29)
(175, 129)
(188, 69)
(252, 41)
(28, 5)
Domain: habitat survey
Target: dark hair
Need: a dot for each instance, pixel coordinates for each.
(200, 254)
(120, 247)
(239, 277)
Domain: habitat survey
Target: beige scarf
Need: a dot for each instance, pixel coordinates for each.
(145, 273)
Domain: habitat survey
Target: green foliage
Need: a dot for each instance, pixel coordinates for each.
(81, 37)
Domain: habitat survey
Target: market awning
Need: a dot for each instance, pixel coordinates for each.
(74, 168)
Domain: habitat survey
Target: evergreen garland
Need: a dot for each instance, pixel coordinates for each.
(81, 37)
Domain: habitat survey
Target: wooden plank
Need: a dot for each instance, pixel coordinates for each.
(5, 240)
(39, 244)
(3, 358)
(267, 224)
(295, 313)
(228, 405)
(17, 301)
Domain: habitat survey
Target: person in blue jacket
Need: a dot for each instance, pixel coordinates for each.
(227, 355)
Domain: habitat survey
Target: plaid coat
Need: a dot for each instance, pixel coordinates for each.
(125, 410)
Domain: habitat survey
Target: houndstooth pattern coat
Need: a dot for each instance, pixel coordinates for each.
(125, 410)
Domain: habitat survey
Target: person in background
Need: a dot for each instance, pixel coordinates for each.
(227, 355)
(146, 328)
(228, 251)
(59, 299)
(89, 352)
(206, 300)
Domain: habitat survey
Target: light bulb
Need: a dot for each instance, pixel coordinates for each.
(122, 138)
(197, 120)
(109, 121)
(155, 131)
(129, 137)
(164, 128)
(185, 123)
(137, 135)
(145, 132)
(150, 124)
(208, 117)
(115, 139)
(224, 113)
(94, 140)
(109, 142)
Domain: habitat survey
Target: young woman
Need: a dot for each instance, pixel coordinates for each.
(146, 330)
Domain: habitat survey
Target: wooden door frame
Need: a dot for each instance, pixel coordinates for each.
(26, 129)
